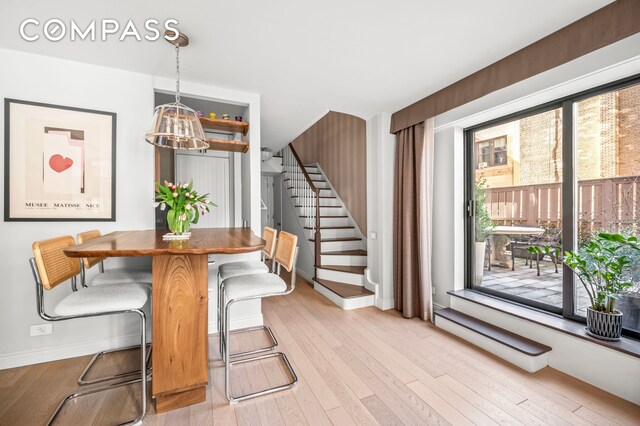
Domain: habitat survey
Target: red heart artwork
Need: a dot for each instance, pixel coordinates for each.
(59, 163)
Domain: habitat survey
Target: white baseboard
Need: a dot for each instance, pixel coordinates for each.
(524, 361)
(385, 304)
(304, 275)
(239, 323)
(54, 353)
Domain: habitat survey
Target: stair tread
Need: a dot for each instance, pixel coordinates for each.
(345, 268)
(332, 240)
(323, 197)
(346, 291)
(332, 227)
(322, 207)
(357, 252)
(329, 217)
(497, 334)
(302, 180)
(321, 189)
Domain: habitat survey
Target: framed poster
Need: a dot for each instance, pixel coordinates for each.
(59, 163)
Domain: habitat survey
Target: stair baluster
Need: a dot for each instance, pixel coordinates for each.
(308, 196)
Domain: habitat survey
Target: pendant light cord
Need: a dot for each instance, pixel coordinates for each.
(177, 74)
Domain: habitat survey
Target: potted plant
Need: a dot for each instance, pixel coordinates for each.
(185, 205)
(600, 266)
(483, 228)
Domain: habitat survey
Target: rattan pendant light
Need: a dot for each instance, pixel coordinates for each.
(175, 125)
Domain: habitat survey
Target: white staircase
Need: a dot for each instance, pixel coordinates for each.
(340, 266)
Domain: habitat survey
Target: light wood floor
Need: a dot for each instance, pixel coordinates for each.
(355, 367)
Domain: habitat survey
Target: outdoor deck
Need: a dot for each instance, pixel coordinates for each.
(524, 282)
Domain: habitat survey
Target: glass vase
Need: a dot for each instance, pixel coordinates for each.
(175, 222)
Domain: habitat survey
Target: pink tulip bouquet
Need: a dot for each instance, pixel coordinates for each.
(185, 205)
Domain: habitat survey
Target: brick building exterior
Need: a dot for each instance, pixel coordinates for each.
(608, 132)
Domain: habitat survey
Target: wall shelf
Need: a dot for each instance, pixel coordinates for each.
(227, 145)
(225, 125)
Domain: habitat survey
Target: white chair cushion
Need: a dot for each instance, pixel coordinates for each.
(122, 276)
(233, 269)
(104, 299)
(253, 285)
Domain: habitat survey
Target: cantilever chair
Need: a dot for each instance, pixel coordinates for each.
(257, 286)
(111, 276)
(233, 269)
(51, 267)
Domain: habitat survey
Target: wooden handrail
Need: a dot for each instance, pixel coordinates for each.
(317, 242)
(304, 171)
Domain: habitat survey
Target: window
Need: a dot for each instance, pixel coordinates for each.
(492, 152)
(572, 169)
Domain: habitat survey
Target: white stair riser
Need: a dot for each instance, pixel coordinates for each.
(324, 211)
(341, 277)
(328, 259)
(329, 202)
(346, 304)
(342, 245)
(334, 221)
(335, 233)
(312, 170)
(321, 184)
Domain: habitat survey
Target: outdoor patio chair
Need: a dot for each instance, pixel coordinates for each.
(551, 238)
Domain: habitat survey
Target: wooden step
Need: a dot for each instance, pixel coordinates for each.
(340, 268)
(322, 197)
(323, 207)
(358, 252)
(335, 240)
(497, 334)
(328, 216)
(321, 189)
(312, 180)
(346, 291)
(332, 227)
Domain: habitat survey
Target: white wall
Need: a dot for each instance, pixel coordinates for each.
(381, 147)
(130, 95)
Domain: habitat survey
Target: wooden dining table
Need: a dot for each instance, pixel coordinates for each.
(179, 301)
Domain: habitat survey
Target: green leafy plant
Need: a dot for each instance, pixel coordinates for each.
(600, 266)
(484, 226)
(185, 204)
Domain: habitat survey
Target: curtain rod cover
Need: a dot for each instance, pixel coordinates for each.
(601, 28)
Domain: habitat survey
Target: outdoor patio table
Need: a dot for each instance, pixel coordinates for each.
(500, 241)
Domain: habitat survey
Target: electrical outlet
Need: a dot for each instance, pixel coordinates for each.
(433, 290)
(41, 329)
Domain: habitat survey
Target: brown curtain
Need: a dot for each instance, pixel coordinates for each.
(412, 290)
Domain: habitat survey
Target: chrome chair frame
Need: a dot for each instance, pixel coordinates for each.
(230, 360)
(143, 376)
(82, 381)
(220, 320)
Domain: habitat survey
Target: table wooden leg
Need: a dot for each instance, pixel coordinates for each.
(180, 322)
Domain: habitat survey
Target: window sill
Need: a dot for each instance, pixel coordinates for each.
(572, 328)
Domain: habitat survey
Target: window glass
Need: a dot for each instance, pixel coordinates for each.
(607, 129)
(520, 206)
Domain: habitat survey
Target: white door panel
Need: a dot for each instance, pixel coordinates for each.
(210, 175)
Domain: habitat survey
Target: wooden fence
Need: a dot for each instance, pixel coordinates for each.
(611, 203)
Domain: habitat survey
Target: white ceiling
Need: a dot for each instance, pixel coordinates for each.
(307, 57)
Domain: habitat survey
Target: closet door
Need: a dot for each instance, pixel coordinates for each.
(211, 174)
